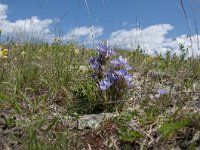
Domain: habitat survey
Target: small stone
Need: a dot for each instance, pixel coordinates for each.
(93, 121)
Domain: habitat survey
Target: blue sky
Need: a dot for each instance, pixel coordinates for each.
(115, 20)
(111, 14)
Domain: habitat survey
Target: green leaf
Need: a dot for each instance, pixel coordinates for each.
(129, 135)
(170, 128)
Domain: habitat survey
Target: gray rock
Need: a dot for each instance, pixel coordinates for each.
(93, 120)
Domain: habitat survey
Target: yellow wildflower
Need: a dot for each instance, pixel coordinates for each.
(148, 59)
(76, 51)
(14, 59)
(5, 57)
(4, 52)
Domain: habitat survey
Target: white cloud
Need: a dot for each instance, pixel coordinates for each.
(3, 10)
(152, 39)
(24, 29)
(87, 35)
(149, 38)
(193, 48)
(40, 29)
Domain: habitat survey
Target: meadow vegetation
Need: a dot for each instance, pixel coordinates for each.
(43, 85)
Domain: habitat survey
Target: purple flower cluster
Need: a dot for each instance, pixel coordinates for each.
(118, 72)
(97, 63)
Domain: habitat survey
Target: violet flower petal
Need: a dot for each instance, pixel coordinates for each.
(162, 91)
(120, 72)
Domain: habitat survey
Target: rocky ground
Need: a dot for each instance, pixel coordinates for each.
(150, 120)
